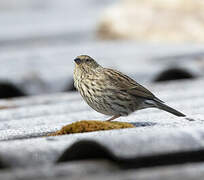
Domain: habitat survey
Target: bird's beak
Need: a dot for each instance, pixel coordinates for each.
(77, 61)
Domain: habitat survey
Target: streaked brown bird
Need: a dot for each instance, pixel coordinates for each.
(111, 92)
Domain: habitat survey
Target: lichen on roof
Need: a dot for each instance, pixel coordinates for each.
(90, 126)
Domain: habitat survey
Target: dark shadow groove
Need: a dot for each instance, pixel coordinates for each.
(70, 87)
(174, 74)
(173, 158)
(9, 90)
(87, 149)
(142, 124)
(3, 165)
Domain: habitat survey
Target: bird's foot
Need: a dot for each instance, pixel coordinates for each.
(114, 117)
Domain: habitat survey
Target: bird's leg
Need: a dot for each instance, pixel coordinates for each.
(114, 117)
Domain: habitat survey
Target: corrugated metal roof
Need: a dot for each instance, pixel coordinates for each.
(126, 147)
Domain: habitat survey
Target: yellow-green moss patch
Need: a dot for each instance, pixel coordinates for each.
(90, 126)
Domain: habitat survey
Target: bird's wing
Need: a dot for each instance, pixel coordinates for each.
(125, 83)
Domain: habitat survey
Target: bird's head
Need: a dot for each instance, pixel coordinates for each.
(85, 63)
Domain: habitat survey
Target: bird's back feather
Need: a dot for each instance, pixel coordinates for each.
(125, 83)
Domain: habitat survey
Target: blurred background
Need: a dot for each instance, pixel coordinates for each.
(150, 40)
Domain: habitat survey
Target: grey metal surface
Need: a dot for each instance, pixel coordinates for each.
(35, 118)
(153, 128)
(46, 70)
(94, 169)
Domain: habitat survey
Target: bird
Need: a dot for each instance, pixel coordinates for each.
(111, 92)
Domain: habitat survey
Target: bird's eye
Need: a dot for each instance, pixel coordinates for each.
(88, 60)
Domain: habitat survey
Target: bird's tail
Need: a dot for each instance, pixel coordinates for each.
(160, 104)
(169, 109)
